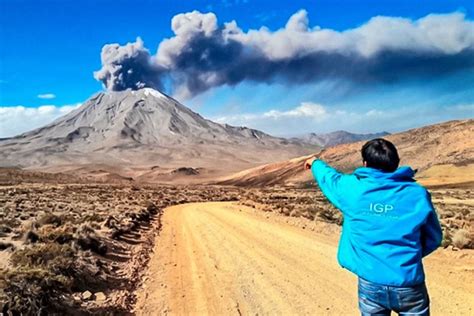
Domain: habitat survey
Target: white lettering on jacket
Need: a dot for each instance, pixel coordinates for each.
(381, 208)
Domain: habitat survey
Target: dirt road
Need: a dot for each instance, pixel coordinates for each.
(223, 258)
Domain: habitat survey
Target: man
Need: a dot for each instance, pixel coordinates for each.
(389, 225)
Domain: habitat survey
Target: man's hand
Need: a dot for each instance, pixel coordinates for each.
(308, 163)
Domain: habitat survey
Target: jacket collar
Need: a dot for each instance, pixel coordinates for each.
(404, 173)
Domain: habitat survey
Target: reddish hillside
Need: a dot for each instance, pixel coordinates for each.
(449, 146)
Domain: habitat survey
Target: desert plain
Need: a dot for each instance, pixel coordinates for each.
(68, 246)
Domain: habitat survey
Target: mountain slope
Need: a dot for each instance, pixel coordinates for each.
(140, 129)
(336, 138)
(442, 152)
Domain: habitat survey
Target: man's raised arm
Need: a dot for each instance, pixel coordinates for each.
(328, 179)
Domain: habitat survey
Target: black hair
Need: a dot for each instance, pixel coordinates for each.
(380, 154)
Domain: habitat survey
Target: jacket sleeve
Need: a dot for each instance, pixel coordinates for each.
(329, 181)
(431, 233)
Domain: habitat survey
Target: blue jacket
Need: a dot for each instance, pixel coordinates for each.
(389, 223)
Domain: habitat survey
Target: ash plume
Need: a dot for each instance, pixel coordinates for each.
(203, 54)
(128, 67)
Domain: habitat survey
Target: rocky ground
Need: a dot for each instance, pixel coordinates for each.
(82, 248)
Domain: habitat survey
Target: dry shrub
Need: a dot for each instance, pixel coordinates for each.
(447, 238)
(87, 239)
(93, 217)
(151, 208)
(93, 244)
(31, 237)
(33, 291)
(60, 235)
(327, 215)
(49, 219)
(39, 276)
(56, 258)
(43, 277)
(463, 239)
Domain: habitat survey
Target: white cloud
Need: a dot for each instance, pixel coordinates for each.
(306, 109)
(15, 120)
(312, 117)
(47, 96)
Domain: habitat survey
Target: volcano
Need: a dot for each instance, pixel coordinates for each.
(143, 130)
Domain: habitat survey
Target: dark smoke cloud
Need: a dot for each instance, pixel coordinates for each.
(203, 54)
(128, 67)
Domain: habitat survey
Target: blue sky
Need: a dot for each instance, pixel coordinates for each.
(49, 50)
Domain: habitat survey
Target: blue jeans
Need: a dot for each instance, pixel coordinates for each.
(376, 299)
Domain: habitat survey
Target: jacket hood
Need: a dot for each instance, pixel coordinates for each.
(404, 173)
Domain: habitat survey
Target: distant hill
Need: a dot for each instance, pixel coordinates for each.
(142, 133)
(336, 138)
(443, 153)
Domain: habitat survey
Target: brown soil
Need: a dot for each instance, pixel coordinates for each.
(226, 258)
(449, 144)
